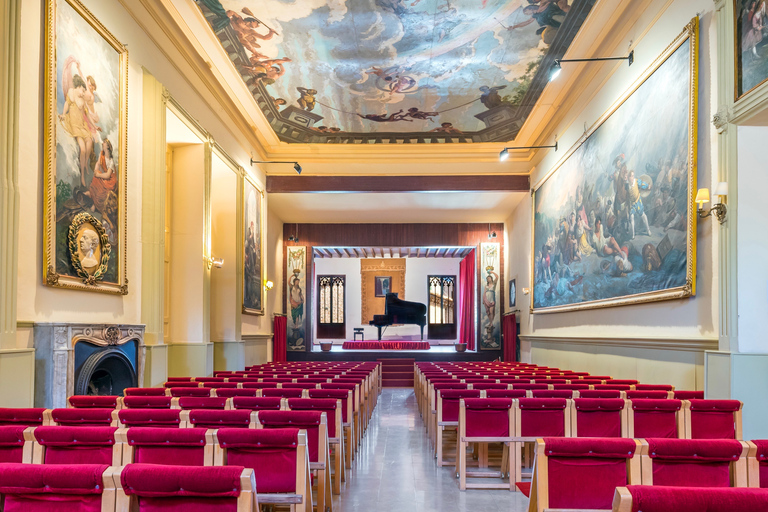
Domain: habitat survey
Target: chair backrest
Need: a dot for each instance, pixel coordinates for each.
(339, 394)
(169, 446)
(60, 487)
(552, 393)
(572, 387)
(144, 392)
(542, 417)
(530, 387)
(314, 422)
(689, 395)
(448, 403)
(81, 417)
(712, 419)
(256, 403)
(31, 417)
(230, 392)
(598, 417)
(486, 418)
(92, 402)
(300, 385)
(506, 393)
(223, 385)
(688, 499)
(77, 445)
(599, 393)
(654, 387)
(181, 384)
(180, 379)
(653, 394)
(155, 418)
(199, 392)
(655, 418)
(489, 385)
(154, 487)
(757, 463)
(583, 473)
(282, 392)
(694, 462)
(330, 406)
(205, 402)
(16, 443)
(146, 402)
(250, 384)
(215, 418)
(210, 379)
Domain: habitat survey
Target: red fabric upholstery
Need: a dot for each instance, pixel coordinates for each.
(529, 386)
(77, 445)
(762, 460)
(713, 419)
(257, 403)
(489, 385)
(210, 379)
(193, 402)
(31, 417)
(466, 300)
(169, 446)
(93, 402)
(505, 393)
(487, 417)
(552, 393)
(307, 420)
(338, 394)
(299, 385)
(144, 392)
(599, 393)
(181, 384)
(156, 418)
(326, 405)
(278, 380)
(650, 498)
(228, 393)
(548, 380)
(451, 398)
(147, 402)
(598, 417)
(223, 385)
(656, 418)
(82, 417)
(11, 443)
(630, 382)
(180, 379)
(615, 387)
(212, 418)
(280, 341)
(270, 452)
(689, 395)
(652, 387)
(284, 393)
(259, 385)
(587, 447)
(689, 462)
(63, 488)
(385, 345)
(541, 417)
(653, 394)
(200, 392)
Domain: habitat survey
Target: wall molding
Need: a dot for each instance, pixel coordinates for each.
(257, 337)
(661, 343)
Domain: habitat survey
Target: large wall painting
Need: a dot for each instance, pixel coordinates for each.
(296, 261)
(382, 70)
(751, 17)
(490, 298)
(253, 289)
(614, 222)
(85, 160)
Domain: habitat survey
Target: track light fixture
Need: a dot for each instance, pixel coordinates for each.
(556, 68)
(504, 154)
(296, 165)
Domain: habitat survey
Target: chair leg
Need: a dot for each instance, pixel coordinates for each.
(439, 446)
(505, 461)
(338, 469)
(348, 433)
(328, 484)
(462, 466)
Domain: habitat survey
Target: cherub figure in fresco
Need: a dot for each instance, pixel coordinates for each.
(548, 15)
(278, 102)
(384, 118)
(446, 128)
(490, 97)
(415, 113)
(267, 70)
(245, 28)
(307, 99)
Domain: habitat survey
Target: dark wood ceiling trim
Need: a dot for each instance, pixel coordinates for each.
(480, 183)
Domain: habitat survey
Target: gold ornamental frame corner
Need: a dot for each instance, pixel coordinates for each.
(51, 274)
(691, 33)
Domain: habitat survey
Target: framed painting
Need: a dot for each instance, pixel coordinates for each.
(490, 305)
(296, 291)
(614, 221)
(253, 289)
(86, 72)
(750, 45)
(383, 286)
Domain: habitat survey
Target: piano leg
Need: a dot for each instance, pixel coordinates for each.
(422, 332)
(379, 328)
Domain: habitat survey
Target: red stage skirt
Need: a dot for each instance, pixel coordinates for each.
(386, 345)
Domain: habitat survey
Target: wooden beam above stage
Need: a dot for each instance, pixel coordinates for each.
(479, 183)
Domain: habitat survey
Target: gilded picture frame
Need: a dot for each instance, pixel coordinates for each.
(86, 126)
(253, 248)
(586, 267)
(750, 51)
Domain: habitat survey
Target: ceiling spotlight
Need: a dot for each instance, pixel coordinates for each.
(555, 72)
(503, 155)
(556, 67)
(296, 165)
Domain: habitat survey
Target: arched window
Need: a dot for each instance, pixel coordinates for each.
(330, 307)
(442, 307)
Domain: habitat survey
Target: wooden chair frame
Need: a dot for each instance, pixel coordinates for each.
(519, 441)
(630, 413)
(30, 447)
(509, 453)
(753, 466)
(574, 419)
(37, 450)
(738, 468)
(736, 420)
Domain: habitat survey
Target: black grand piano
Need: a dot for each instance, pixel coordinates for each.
(398, 311)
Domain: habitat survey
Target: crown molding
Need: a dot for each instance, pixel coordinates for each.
(650, 343)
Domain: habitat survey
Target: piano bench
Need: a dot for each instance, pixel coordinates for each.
(358, 330)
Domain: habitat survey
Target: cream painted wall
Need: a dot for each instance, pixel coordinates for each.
(692, 319)
(224, 307)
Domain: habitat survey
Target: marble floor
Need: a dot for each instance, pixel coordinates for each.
(395, 471)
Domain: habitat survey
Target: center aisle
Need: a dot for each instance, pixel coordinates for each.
(395, 470)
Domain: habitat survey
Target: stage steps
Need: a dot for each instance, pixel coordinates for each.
(396, 373)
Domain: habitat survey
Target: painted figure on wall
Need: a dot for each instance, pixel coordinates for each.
(297, 301)
(252, 278)
(751, 44)
(296, 293)
(490, 323)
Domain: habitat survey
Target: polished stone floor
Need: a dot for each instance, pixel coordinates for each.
(395, 471)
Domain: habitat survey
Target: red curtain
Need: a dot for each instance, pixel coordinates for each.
(467, 300)
(280, 328)
(509, 330)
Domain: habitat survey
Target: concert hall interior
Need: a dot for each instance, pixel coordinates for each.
(407, 209)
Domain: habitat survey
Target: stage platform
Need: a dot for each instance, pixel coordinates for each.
(438, 353)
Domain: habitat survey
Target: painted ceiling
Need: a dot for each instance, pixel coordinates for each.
(395, 71)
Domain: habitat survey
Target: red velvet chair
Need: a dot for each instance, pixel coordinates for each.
(155, 418)
(757, 464)
(654, 387)
(255, 384)
(230, 392)
(277, 380)
(634, 498)
(600, 393)
(77, 445)
(347, 415)
(208, 380)
(16, 443)
(651, 394)
(483, 421)
(432, 407)
(144, 392)
(689, 395)
(279, 459)
(505, 393)
(582, 474)
(92, 402)
(81, 417)
(146, 402)
(598, 417)
(489, 385)
(223, 385)
(152, 488)
(694, 462)
(655, 418)
(181, 379)
(357, 404)
(206, 402)
(169, 446)
(531, 387)
(281, 392)
(712, 419)
(31, 417)
(57, 487)
(448, 416)
(182, 384)
(590, 381)
(535, 418)
(315, 423)
(256, 403)
(300, 385)
(213, 418)
(198, 392)
(552, 393)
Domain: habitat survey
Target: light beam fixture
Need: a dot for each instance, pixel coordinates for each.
(556, 68)
(504, 154)
(268, 285)
(718, 210)
(491, 234)
(214, 262)
(296, 165)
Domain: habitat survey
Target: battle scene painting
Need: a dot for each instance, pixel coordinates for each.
(613, 224)
(375, 70)
(751, 44)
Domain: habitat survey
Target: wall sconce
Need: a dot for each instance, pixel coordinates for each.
(526, 291)
(719, 210)
(214, 262)
(268, 285)
(491, 234)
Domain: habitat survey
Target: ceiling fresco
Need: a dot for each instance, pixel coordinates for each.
(395, 71)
